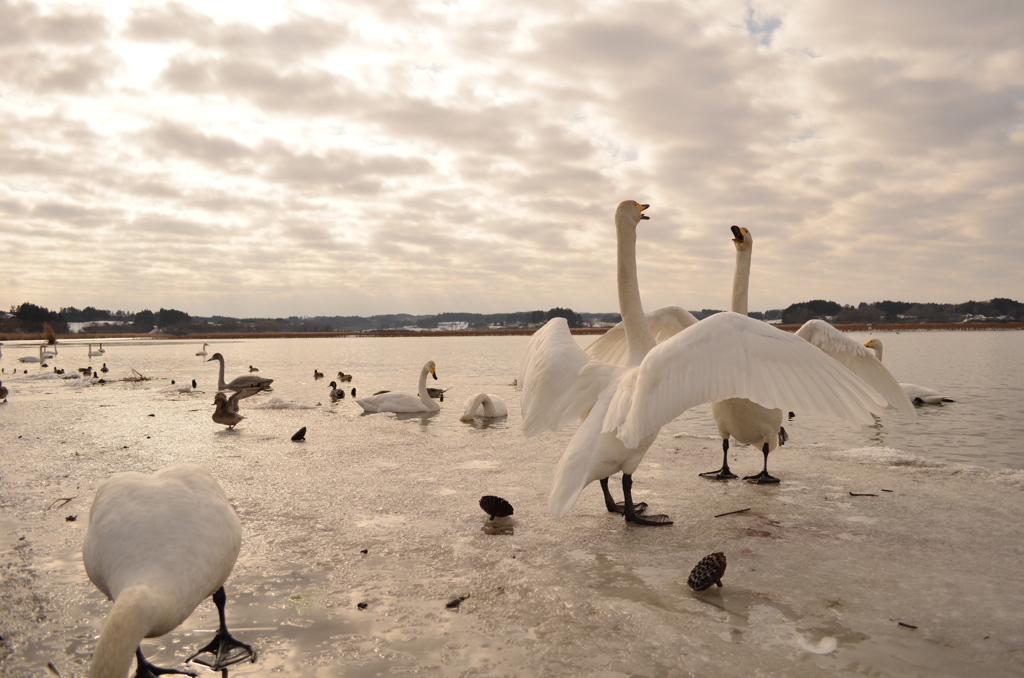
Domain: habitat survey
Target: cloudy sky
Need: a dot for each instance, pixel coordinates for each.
(384, 156)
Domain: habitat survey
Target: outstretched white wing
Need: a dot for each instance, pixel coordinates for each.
(732, 356)
(860, 360)
(548, 375)
(665, 322)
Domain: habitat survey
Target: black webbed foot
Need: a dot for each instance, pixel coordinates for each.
(721, 474)
(762, 478)
(223, 649)
(145, 669)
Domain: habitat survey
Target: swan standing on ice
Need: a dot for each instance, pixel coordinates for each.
(756, 352)
(203, 352)
(761, 427)
(238, 383)
(561, 383)
(158, 545)
(486, 405)
(403, 402)
(921, 395)
(226, 408)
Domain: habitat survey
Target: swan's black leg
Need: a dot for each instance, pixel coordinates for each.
(225, 649)
(723, 473)
(144, 669)
(763, 477)
(617, 507)
(631, 515)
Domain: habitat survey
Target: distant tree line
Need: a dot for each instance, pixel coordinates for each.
(31, 318)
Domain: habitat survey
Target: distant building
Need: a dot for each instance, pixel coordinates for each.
(452, 326)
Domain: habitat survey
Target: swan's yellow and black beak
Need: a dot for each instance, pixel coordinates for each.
(642, 215)
(738, 233)
(433, 373)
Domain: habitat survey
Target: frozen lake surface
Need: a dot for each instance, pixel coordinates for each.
(383, 510)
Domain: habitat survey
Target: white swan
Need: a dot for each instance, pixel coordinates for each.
(485, 405)
(403, 402)
(238, 383)
(178, 547)
(92, 353)
(226, 408)
(561, 382)
(46, 354)
(921, 395)
(754, 424)
(32, 358)
(202, 352)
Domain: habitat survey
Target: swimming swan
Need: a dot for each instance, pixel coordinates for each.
(921, 395)
(203, 352)
(486, 405)
(403, 402)
(32, 358)
(238, 383)
(179, 547)
(226, 408)
(561, 383)
(92, 353)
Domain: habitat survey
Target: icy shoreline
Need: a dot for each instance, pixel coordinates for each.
(587, 595)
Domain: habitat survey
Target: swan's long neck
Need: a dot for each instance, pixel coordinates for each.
(741, 281)
(221, 384)
(876, 346)
(639, 339)
(424, 396)
(135, 613)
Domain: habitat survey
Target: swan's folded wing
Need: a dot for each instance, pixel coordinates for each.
(548, 372)
(665, 323)
(860, 360)
(732, 356)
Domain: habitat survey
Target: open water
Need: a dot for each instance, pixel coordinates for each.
(382, 510)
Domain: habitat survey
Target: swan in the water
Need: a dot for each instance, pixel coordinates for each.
(403, 402)
(92, 353)
(46, 354)
(921, 395)
(178, 547)
(203, 352)
(3, 392)
(486, 405)
(226, 408)
(32, 358)
(238, 383)
(561, 382)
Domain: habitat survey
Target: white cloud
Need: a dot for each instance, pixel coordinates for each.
(425, 157)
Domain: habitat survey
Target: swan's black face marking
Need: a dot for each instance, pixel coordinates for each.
(737, 233)
(642, 208)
